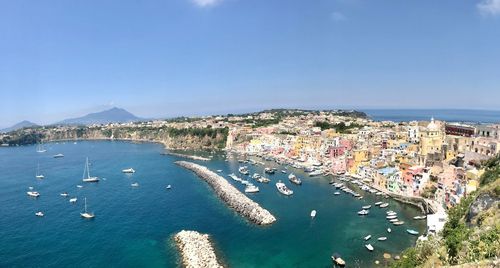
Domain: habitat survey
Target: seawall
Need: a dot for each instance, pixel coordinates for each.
(236, 200)
(196, 250)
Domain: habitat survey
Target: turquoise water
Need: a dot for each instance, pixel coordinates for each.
(134, 226)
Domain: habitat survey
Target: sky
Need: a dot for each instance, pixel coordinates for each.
(61, 59)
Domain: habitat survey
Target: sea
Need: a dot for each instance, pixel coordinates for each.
(449, 115)
(134, 226)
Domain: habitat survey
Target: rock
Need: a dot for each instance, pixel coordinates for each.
(196, 250)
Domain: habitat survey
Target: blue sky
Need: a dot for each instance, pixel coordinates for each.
(61, 59)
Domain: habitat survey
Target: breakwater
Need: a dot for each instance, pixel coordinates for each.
(196, 250)
(236, 200)
(193, 157)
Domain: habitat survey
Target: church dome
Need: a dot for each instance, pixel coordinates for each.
(432, 125)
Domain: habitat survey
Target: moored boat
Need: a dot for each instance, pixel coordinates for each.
(33, 193)
(412, 232)
(367, 237)
(366, 207)
(251, 189)
(85, 214)
(378, 203)
(58, 155)
(336, 193)
(294, 179)
(128, 170)
(336, 258)
(420, 217)
(384, 205)
(283, 189)
(391, 217)
(39, 214)
(398, 223)
(363, 212)
(86, 170)
(313, 213)
(369, 247)
(383, 238)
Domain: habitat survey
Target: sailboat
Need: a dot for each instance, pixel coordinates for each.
(87, 170)
(85, 214)
(40, 148)
(38, 174)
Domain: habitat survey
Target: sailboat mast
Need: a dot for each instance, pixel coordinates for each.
(85, 205)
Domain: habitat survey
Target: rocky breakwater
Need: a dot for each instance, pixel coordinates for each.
(193, 157)
(196, 250)
(230, 195)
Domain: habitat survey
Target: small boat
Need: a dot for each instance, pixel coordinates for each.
(363, 212)
(391, 217)
(251, 189)
(313, 213)
(79, 186)
(378, 203)
(338, 260)
(283, 171)
(389, 230)
(86, 170)
(269, 170)
(40, 148)
(398, 223)
(243, 170)
(263, 180)
(368, 237)
(128, 170)
(336, 193)
(384, 205)
(294, 179)
(419, 217)
(65, 194)
(58, 156)
(33, 193)
(283, 189)
(315, 173)
(383, 238)
(256, 176)
(412, 232)
(169, 187)
(219, 170)
(394, 220)
(38, 174)
(392, 213)
(73, 200)
(39, 214)
(369, 247)
(366, 207)
(85, 214)
(135, 184)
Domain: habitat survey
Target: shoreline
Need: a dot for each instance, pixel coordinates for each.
(196, 250)
(233, 198)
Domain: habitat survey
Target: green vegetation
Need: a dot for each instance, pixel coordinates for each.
(339, 128)
(23, 139)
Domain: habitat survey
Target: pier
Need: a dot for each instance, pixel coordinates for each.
(196, 250)
(193, 157)
(236, 200)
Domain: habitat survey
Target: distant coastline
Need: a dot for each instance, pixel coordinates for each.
(449, 115)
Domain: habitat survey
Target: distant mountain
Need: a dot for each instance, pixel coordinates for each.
(113, 115)
(19, 125)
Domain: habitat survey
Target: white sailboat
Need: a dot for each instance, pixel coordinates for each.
(86, 170)
(40, 148)
(85, 214)
(38, 174)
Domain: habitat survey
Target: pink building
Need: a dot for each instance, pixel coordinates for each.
(339, 165)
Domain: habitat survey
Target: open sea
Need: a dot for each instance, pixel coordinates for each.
(449, 115)
(134, 226)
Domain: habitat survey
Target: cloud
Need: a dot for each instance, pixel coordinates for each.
(489, 7)
(206, 3)
(337, 16)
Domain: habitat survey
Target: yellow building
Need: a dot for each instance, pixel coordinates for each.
(431, 141)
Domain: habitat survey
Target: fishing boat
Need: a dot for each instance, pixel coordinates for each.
(363, 212)
(39, 214)
(86, 170)
(336, 258)
(294, 179)
(38, 174)
(367, 237)
(412, 232)
(384, 205)
(283, 189)
(33, 193)
(389, 230)
(85, 214)
(58, 156)
(73, 200)
(135, 184)
(40, 148)
(419, 217)
(243, 170)
(366, 207)
(383, 238)
(391, 217)
(378, 203)
(128, 170)
(65, 194)
(398, 223)
(251, 189)
(313, 213)
(369, 247)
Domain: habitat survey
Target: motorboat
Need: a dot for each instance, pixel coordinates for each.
(269, 170)
(251, 189)
(378, 203)
(366, 207)
(73, 200)
(79, 186)
(33, 193)
(58, 156)
(338, 260)
(128, 170)
(263, 180)
(85, 214)
(86, 170)
(294, 179)
(219, 170)
(283, 171)
(369, 247)
(256, 176)
(243, 170)
(283, 189)
(39, 214)
(389, 230)
(419, 217)
(367, 237)
(383, 238)
(313, 213)
(394, 220)
(135, 184)
(391, 213)
(336, 193)
(398, 223)
(384, 205)
(65, 194)
(315, 173)
(169, 187)
(412, 232)
(363, 212)
(391, 217)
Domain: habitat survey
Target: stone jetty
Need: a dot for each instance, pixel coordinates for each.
(193, 157)
(230, 195)
(196, 250)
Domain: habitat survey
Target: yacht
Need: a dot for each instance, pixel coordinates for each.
(368, 237)
(73, 200)
(128, 170)
(243, 170)
(369, 247)
(38, 174)
(86, 170)
(383, 238)
(39, 214)
(251, 189)
(283, 189)
(363, 212)
(269, 170)
(85, 214)
(33, 193)
(313, 213)
(58, 156)
(294, 179)
(315, 173)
